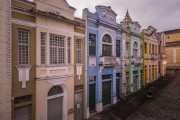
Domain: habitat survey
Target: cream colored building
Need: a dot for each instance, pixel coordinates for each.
(150, 55)
(5, 60)
(55, 59)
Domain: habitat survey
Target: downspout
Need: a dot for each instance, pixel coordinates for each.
(86, 85)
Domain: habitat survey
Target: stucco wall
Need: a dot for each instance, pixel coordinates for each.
(5, 60)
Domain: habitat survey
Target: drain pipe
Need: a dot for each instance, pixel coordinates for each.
(86, 62)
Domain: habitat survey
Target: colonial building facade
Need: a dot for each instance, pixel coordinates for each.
(133, 54)
(151, 55)
(5, 60)
(103, 68)
(56, 46)
(23, 60)
(173, 50)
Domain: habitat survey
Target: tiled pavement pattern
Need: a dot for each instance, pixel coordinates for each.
(166, 106)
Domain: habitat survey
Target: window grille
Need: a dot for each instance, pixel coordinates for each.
(55, 90)
(23, 47)
(57, 49)
(78, 51)
(69, 50)
(43, 48)
(22, 99)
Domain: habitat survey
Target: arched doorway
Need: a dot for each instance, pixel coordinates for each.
(55, 103)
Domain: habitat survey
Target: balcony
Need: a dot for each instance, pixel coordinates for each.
(154, 56)
(137, 60)
(109, 61)
(163, 56)
(149, 57)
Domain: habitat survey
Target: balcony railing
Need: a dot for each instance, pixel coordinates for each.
(109, 61)
(137, 60)
(154, 57)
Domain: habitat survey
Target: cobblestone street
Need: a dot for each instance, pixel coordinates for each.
(165, 104)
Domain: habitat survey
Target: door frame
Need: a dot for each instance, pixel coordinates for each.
(64, 102)
(82, 102)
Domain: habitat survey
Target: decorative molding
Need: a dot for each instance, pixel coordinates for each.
(108, 16)
(57, 81)
(23, 74)
(79, 70)
(31, 24)
(107, 29)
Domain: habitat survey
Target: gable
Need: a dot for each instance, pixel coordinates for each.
(154, 35)
(59, 7)
(106, 14)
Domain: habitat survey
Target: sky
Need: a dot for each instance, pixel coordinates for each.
(161, 14)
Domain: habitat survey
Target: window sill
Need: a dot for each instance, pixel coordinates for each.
(23, 66)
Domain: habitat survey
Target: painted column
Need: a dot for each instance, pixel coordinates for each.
(139, 78)
(99, 106)
(113, 89)
(123, 60)
(131, 67)
(174, 55)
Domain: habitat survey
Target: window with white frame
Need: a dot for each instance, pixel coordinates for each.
(43, 48)
(92, 44)
(135, 49)
(117, 48)
(78, 51)
(69, 50)
(106, 45)
(57, 49)
(23, 47)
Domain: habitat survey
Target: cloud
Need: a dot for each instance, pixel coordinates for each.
(161, 14)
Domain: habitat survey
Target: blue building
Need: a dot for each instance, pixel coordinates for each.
(103, 58)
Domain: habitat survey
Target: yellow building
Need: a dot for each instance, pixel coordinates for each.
(79, 67)
(151, 56)
(173, 50)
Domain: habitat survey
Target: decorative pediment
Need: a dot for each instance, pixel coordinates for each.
(154, 35)
(136, 26)
(59, 7)
(106, 12)
(108, 16)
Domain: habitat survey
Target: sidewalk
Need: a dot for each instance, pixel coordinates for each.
(124, 108)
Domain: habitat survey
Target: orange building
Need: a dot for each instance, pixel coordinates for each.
(173, 50)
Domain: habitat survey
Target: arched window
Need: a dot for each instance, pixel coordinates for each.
(135, 49)
(106, 45)
(55, 90)
(92, 44)
(135, 45)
